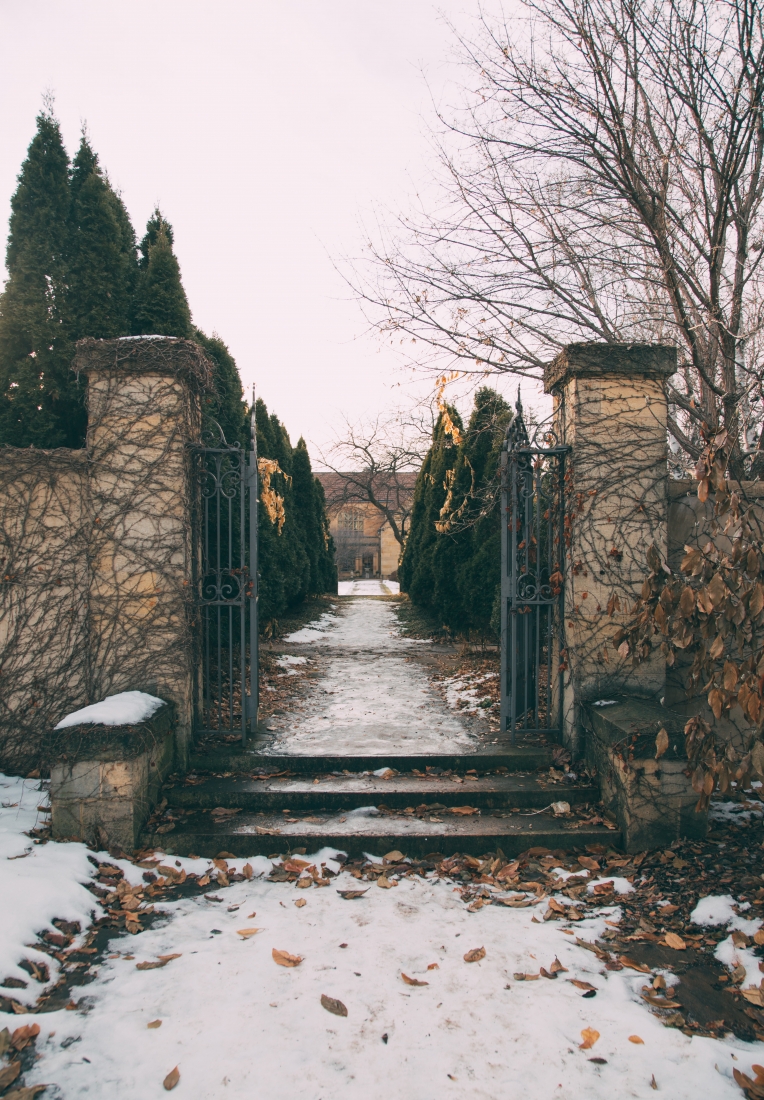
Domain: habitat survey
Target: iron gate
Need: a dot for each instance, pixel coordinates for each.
(226, 583)
(532, 571)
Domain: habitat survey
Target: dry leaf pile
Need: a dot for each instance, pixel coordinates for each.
(17, 1055)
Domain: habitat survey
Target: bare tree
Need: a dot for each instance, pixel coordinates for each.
(377, 463)
(603, 182)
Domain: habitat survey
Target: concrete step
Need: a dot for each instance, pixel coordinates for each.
(200, 833)
(347, 792)
(215, 759)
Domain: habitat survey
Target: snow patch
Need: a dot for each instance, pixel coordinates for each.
(620, 885)
(124, 709)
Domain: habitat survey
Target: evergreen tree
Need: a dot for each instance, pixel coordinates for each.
(102, 267)
(226, 405)
(161, 305)
(451, 564)
(310, 511)
(41, 402)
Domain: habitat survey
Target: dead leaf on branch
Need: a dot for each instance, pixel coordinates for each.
(661, 743)
(331, 1004)
(283, 958)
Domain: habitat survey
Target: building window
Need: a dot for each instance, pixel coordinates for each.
(351, 520)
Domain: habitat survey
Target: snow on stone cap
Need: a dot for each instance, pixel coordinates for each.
(124, 709)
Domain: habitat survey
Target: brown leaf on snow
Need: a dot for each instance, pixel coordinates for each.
(581, 985)
(433, 966)
(25, 1094)
(331, 1004)
(162, 960)
(8, 1074)
(171, 1079)
(283, 958)
(753, 1089)
(154, 1024)
(300, 902)
(247, 870)
(557, 967)
(672, 940)
(247, 933)
(413, 981)
(349, 895)
(475, 955)
(386, 883)
(636, 1039)
(590, 1037)
(295, 865)
(23, 1036)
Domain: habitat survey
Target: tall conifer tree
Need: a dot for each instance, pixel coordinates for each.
(41, 402)
(161, 306)
(102, 259)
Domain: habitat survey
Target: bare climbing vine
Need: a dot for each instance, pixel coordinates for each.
(708, 621)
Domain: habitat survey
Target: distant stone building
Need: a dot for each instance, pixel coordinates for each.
(364, 541)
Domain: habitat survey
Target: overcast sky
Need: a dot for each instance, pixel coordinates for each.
(267, 133)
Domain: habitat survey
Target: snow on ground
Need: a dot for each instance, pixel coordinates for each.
(463, 692)
(316, 631)
(368, 588)
(115, 710)
(241, 1027)
(718, 909)
(38, 882)
(288, 662)
(237, 1025)
(729, 812)
(373, 696)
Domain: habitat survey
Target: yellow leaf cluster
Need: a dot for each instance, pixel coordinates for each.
(272, 501)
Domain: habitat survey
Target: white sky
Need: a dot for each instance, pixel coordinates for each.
(267, 133)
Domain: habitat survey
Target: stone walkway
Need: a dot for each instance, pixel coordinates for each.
(372, 694)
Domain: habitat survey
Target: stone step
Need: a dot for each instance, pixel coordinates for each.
(521, 758)
(347, 792)
(201, 834)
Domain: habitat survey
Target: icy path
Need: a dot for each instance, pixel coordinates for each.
(373, 695)
(368, 588)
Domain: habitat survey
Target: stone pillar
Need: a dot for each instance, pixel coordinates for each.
(610, 408)
(144, 409)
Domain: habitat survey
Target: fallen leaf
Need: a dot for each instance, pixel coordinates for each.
(599, 1061)
(636, 1039)
(672, 940)
(247, 870)
(247, 933)
(557, 967)
(331, 1004)
(300, 902)
(171, 1079)
(349, 895)
(393, 857)
(581, 985)
(385, 882)
(475, 955)
(433, 966)
(304, 883)
(624, 960)
(154, 1023)
(590, 1037)
(25, 1093)
(283, 958)
(162, 960)
(754, 996)
(589, 863)
(9, 1074)
(23, 1036)
(758, 937)
(463, 811)
(295, 865)
(412, 981)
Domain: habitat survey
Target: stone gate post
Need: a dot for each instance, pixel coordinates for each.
(610, 408)
(143, 411)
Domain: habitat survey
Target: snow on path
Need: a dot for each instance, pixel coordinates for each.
(373, 697)
(368, 588)
(241, 1027)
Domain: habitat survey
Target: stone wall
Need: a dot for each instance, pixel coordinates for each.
(97, 593)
